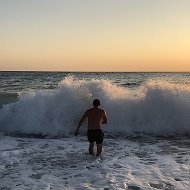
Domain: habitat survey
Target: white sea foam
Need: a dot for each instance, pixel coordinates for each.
(141, 164)
(157, 108)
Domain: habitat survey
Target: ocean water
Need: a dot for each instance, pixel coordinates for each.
(147, 138)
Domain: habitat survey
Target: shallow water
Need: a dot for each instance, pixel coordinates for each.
(63, 163)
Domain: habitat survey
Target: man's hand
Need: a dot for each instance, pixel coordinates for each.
(76, 133)
(104, 122)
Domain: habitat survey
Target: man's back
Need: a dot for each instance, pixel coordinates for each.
(96, 116)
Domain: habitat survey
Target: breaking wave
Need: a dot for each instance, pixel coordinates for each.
(156, 108)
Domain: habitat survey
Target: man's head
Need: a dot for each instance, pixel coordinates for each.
(96, 102)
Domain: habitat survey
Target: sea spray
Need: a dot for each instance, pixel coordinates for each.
(156, 108)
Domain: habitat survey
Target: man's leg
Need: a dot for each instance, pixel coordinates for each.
(99, 149)
(91, 149)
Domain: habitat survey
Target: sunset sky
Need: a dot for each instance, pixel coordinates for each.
(99, 35)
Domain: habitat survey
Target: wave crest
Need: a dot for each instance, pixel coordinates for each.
(156, 108)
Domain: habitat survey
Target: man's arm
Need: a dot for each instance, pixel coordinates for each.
(80, 123)
(105, 118)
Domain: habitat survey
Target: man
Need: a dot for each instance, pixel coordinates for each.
(96, 117)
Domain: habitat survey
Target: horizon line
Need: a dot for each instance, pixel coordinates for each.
(95, 71)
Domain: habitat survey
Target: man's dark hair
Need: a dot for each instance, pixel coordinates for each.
(96, 102)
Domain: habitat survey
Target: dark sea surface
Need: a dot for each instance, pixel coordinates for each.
(12, 83)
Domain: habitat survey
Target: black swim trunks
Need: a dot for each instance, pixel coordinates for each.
(95, 135)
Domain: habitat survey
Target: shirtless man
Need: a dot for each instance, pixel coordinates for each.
(96, 117)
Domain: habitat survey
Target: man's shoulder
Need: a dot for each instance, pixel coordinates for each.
(89, 110)
(102, 110)
(92, 109)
